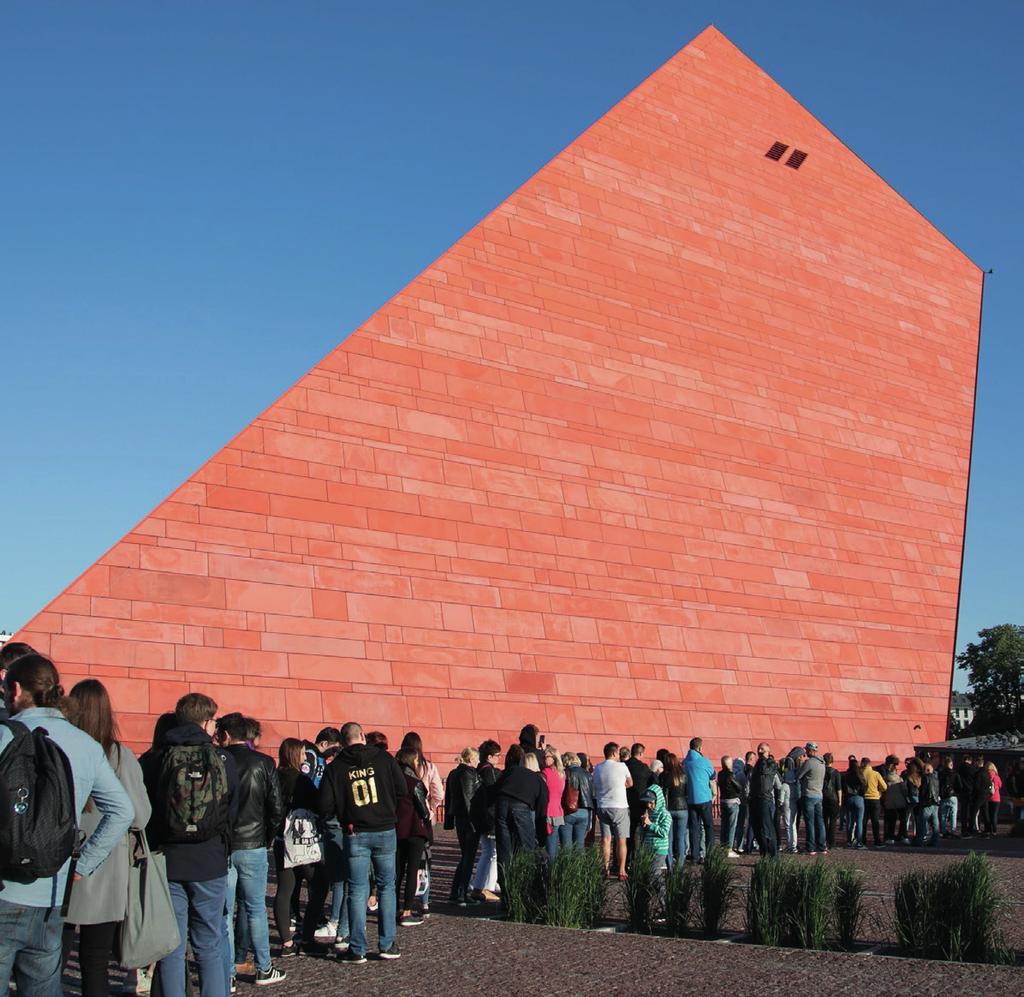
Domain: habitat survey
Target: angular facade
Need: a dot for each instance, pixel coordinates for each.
(675, 441)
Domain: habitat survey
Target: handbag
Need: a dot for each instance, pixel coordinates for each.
(303, 839)
(570, 798)
(423, 874)
(149, 930)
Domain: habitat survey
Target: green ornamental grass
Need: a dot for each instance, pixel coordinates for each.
(768, 887)
(849, 904)
(644, 889)
(952, 914)
(575, 889)
(717, 890)
(680, 890)
(523, 887)
(808, 905)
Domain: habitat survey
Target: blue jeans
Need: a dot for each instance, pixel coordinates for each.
(558, 837)
(677, 841)
(926, 823)
(741, 826)
(578, 825)
(814, 819)
(789, 816)
(730, 817)
(30, 952)
(363, 850)
(247, 875)
(701, 829)
(855, 820)
(947, 815)
(199, 909)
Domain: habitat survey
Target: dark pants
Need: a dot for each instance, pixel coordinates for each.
(991, 815)
(762, 820)
(410, 854)
(892, 817)
(830, 811)
(741, 826)
(289, 882)
(979, 814)
(965, 806)
(469, 841)
(515, 828)
(700, 823)
(325, 875)
(95, 946)
(872, 811)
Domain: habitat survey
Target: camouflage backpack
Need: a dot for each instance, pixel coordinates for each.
(194, 790)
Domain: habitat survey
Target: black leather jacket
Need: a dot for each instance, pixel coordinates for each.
(459, 790)
(260, 807)
(584, 783)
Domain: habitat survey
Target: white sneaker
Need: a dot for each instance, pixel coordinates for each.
(327, 932)
(272, 975)
(733, 855)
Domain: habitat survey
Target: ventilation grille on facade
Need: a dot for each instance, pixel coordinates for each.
(796, 159)
(776, 151)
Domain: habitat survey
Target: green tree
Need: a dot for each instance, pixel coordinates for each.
(995, 666)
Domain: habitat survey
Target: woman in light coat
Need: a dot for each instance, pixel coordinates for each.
(99, 902)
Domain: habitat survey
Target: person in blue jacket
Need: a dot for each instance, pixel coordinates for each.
(700, 790)
(31, 921)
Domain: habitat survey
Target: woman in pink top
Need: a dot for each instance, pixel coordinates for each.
(991, 812)
(554, 776)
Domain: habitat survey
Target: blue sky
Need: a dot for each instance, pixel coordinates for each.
(200, 200)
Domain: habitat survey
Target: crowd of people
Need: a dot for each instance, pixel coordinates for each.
(350, 824)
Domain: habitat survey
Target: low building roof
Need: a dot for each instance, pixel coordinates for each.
(1010, 742)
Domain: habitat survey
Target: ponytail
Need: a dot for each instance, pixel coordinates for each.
(38, 677)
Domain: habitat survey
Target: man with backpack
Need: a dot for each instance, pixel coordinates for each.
(193, 787)
(761, 800)
(260, 813)
(361, 788)
(49, 769)
(9, 653)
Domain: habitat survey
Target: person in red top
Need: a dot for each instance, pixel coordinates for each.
(990, 788)
(554, 776)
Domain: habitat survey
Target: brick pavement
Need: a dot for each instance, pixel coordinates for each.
(463, 952)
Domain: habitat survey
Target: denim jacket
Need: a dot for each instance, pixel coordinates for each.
(93, 777)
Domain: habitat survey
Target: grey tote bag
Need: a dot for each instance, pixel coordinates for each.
(149, 930)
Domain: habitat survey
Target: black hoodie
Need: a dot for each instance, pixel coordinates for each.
(528, 737)
(203, 860)
(361, 788)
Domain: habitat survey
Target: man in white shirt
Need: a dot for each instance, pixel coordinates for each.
(611, 780)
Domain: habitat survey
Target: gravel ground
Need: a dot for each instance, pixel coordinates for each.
(464, 952)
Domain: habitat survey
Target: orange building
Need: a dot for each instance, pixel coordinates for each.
(675, 441)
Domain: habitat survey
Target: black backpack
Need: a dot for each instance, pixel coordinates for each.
(830, 788)
(39, 827)
(193, 787)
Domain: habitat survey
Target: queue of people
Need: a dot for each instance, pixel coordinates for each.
(351, 825)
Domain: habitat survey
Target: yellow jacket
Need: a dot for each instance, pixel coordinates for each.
(874, 783)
